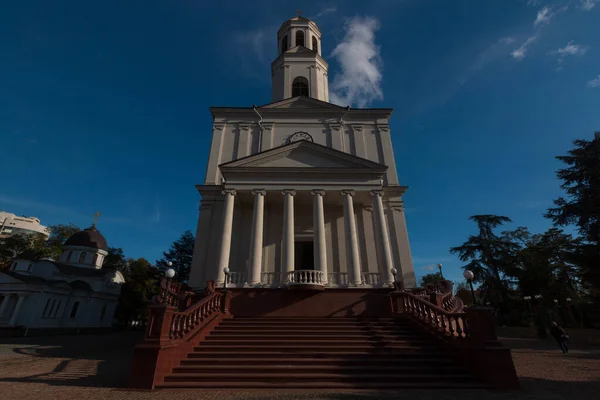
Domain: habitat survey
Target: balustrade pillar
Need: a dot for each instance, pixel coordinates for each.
(288, 232)
(226, 234)
(388, 264)
(256, 251)
(351, 236)
(320, 244)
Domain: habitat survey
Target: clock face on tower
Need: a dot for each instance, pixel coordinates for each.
(298, 136)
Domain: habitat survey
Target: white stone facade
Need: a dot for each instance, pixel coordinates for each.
(11, 224)
(75, 293)
(301, 191)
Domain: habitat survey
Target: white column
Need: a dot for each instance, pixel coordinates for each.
(226, 234)
(15, 313)
(256, 239)
(386, 272)
(351, 236)
(5, 299)
(288, 232)
(320, 245)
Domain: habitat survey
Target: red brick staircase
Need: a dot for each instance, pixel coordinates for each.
(385, 353)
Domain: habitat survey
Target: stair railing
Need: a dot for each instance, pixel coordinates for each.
(469, 336)
(172, 334)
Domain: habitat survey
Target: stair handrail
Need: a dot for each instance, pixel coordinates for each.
(444, 323)
(186, 323)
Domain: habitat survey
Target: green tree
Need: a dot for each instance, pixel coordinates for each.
(581, 206)
(12, 247)
(141, 283)
(115, 260)
(430, 278)
(489, 256)
(180, 254)
(58, 236)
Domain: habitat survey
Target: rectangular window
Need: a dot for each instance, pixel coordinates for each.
(56, 309)
(45, 313)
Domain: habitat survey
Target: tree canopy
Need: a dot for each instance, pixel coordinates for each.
(180, 254)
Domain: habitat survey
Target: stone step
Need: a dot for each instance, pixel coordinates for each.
(312, 336)
(311, 359)
(286, 376)
(312, 342)
(265, 352)
(431, 385)
(283, 365)
(323, 322)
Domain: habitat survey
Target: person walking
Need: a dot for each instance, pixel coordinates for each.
(561, 336)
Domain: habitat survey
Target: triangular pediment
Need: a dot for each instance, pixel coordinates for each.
(304, 155)
(302, 102)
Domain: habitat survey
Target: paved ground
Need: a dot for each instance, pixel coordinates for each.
(97, 367)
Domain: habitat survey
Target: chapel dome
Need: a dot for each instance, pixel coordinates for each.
(89, 237)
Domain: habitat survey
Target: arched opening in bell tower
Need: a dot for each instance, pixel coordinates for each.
(284, 44)
(299, 38)
(300, 87)
(315, 45)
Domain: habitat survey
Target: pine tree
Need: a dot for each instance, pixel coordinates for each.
(180, 254)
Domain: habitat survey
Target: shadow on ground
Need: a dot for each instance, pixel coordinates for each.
(85, 360)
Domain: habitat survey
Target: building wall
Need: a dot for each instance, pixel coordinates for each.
(365, 139)
(11, 224)
(52, 309)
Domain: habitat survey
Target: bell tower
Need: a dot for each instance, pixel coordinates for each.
(299, 69)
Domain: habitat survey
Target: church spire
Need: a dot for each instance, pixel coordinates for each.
(299, 69)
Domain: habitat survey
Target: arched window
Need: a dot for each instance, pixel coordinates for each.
(284, 44)
(95, 260)
(315, 44)
(56, 309)
(103, 312)
(299, 38)
(69, 256)
(74, 310)
(29, 267)
(82, 256)
(300, 87)
(51, 307)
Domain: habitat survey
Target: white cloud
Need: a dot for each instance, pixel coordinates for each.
(520, 52)
(256, 40)
(594, 83)
(543, 16)
(587, 5)
(324, 12)
(533, 3)
(359, 82)
(570, 49)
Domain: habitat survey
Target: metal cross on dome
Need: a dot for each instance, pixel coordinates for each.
(299, 11)
(96, 215)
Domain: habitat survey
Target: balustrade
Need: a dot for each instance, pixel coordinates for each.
(371, 278)
(236, 278)
(436, 318)
(305, 277)
(185, 321)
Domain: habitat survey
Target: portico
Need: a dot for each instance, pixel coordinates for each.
(318, 273)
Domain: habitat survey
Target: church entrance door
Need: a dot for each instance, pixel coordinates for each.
(304, 255)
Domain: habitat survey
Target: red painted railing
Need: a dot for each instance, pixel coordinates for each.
(172, 334)
(470, 336)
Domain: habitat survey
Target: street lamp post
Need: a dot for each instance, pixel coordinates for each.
(469, 275)
(226, 271)
(169, 274)
(440, 268)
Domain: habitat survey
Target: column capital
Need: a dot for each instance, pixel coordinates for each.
(377, 193)
(348, 192)
(368, 208)
(318, 192)
(261, 192)
(291, 192)
(357, 127)
(244, 126)
(218, 126)
(232, 192)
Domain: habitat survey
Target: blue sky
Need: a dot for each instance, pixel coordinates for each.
(104, 105)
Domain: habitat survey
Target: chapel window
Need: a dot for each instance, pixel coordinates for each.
(74, 310)
(315, 44)
(82, 256)
(284, 44)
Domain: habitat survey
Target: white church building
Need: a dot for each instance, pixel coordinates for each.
(71, 295)
(301, 191)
